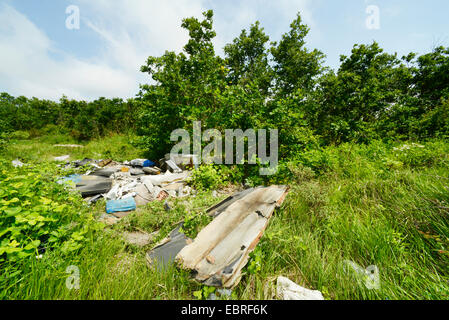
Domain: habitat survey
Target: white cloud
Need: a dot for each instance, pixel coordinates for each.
(129, 31)
(29, 67)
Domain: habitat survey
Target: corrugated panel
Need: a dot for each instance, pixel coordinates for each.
(221, 249)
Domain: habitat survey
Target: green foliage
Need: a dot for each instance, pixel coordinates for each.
(19, 135)
(83, 120)
(256, 261)
(208, 177)
(3, 141)
(193, 223)
(204, 292)
(37, 214)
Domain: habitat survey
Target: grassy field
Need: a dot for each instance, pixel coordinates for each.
(381, 205)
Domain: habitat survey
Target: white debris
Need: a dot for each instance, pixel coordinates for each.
(172, 165)
(288, 290)
(62, 158)
(183, 160)
(370, 275)
(68, 146)
(17, 163)
(166, 178)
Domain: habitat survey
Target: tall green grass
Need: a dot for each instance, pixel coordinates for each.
(373, 205)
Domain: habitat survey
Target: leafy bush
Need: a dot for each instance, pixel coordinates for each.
(3, 141)
(37, 214)
(20, 135)
(207, 177)
(418, 155)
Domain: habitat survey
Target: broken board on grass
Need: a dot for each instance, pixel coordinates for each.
(222, 248)
(163, 254)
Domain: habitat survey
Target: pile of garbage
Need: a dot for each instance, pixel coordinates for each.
(131, 184)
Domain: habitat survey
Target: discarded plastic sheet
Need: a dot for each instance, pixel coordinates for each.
(93, 185)
(104, 172)
(136, 172)
(17, 163)
(288, 290)
(167, 178)
(123, 205)
(165, 252)
(222, 248)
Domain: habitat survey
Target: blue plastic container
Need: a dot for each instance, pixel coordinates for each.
(142, 163)
(124, 205)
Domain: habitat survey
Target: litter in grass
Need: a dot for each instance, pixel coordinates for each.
(288, 290)
(222, 248)
(164, 253)
(117, 182)
(62, 158)
(68, 146)
(17, 163)
(123, 205)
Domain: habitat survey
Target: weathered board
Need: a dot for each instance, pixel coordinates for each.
(222, 248)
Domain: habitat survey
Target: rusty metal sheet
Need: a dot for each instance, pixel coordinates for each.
(222, 248)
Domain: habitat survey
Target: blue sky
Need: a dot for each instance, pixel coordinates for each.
(40, 57)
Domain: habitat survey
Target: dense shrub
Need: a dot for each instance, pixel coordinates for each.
(37, 214)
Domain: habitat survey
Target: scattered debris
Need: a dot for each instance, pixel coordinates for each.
(85, 161)
(171, 165)
(222, 293)
(94, 199)
(164, 253)
(184, 161)
(62, 158)
(137, 172)
(288, 290)
(104, 163)
(143, 163)
(93, 185)
(164, 179)
(68, 146)
(17, 163)
(222, 248)
(369, 276)
(153, 170)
